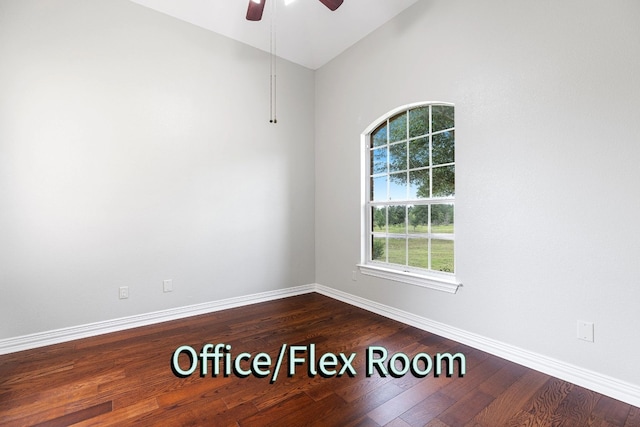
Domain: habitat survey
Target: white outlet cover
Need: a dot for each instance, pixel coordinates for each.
(585, 331)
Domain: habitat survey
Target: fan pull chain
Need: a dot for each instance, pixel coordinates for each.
(273, 79)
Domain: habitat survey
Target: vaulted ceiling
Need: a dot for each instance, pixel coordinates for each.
(307, 32)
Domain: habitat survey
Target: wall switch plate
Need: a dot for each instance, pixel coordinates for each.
(167, 285)
(585, 331)
(124, 292)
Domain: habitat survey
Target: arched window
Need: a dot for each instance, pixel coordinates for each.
(409, 196)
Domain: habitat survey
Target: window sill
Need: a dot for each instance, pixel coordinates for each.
(440, 283)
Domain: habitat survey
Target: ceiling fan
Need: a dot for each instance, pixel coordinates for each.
(256, 7)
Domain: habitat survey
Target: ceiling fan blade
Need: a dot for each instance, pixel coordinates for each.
(255, 9)
(332, 4)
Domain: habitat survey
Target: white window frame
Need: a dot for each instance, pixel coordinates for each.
(442, 281)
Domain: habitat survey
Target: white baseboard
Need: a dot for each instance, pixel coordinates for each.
(603, 384)
(57, 336)
(615, 388)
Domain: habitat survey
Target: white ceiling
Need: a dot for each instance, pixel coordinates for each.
(307, 33)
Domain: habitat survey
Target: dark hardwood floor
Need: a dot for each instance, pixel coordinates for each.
(127, 378)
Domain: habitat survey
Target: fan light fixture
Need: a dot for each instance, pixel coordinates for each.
(254, 13)
(256, 7)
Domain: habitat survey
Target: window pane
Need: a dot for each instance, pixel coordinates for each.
(411, 158)
(379, 160)
(444, 181)
(398, 186)
(419, 184)
(379, 219)
(398, 128)
(398, 157)
(378, 249)
(442, 218)
(419, 153)
(398, 251)
(379, 136)
(441, 117)
(397, 219)
(442, 255)
(379, 188)
(418, 122)
(419, 253)
(443, 148)
(418, 220)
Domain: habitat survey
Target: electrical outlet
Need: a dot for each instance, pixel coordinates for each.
(585, 331)
(167, 285)
(124, 292)
(354, 275)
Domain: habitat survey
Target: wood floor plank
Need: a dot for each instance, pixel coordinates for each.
(502, 379)
(408, 399)
(466, 408)
(436, 423)
(633, 419)
(576, 408)
(76, 417)
(398, 422)
(277, 412)
(481, 372)
(428, 409)
(122, 416)
(364, 422)
(542, 405)
(611, 410)
(357, 409)
(594, 421)
(362, 387)
(507, 403)
(44, 396)
(126, 378)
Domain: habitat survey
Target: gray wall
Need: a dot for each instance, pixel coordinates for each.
(547, 98)
(136, 148)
